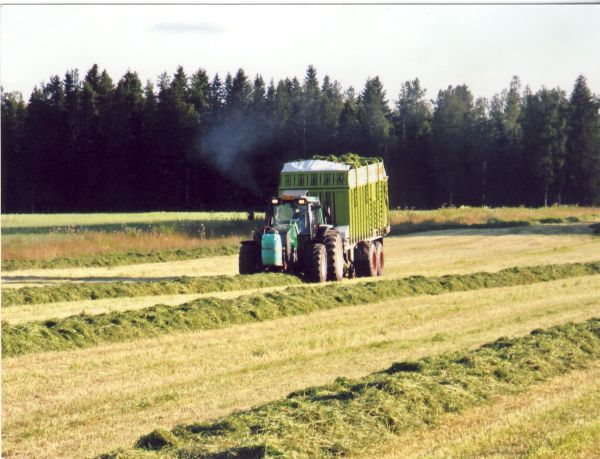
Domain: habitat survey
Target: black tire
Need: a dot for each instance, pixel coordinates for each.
(317, 271)
(379, 256)
(366, 263)
(249, 262)
(335, 256)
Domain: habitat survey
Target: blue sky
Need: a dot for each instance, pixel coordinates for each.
(482, 46)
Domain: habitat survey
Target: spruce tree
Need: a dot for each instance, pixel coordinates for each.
(583, 146)
(349, 131)
(331, 107)
(374, 116)
(452, 126)
(15, 173)
(410, 164)
(544, 131)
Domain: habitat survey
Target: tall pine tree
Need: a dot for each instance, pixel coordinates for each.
(583, 146)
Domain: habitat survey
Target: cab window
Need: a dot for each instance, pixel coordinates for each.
(316, 216)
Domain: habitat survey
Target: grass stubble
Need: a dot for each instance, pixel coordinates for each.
(83, 402)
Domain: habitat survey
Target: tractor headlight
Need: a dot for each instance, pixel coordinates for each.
(274, 201)
(301, 201)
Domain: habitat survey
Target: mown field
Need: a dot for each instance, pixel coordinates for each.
(480, 340)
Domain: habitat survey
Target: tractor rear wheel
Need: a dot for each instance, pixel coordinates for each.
(249, 261)
(335, 256)
(317, 270)
(379, 256)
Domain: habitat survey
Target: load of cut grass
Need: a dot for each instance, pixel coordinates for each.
(351, 416)
(353, 159)
(209, 313)
(179, 286)
(122, 258)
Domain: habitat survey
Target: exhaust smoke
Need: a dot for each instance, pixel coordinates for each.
(230, 146)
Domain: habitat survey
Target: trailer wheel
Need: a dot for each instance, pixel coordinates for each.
(372, 260)
(366, 263)
(249, 261)
(317, 271)
(379, 256)
(335, 256)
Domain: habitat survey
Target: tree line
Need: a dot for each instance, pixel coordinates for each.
(196, 142)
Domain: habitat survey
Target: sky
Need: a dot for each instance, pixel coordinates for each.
(481, 46)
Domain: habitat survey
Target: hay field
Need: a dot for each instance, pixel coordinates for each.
(62, 240)
(429, 254)
(81, 403)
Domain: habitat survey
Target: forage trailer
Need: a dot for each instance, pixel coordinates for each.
(328, 220)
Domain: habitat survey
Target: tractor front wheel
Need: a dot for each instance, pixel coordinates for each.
(249, 258)
(317, 271)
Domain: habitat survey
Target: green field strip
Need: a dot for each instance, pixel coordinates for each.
(350, 416)
(122, 258)
(184, 285)
(209, 313)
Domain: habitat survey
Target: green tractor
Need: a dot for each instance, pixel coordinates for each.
(328, 221)
(295, 238)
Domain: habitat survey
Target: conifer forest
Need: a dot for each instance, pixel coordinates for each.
(201, 142)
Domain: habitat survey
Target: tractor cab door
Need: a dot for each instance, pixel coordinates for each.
(316, 218)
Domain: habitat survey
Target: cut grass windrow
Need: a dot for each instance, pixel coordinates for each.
(122, 258)
(179, 286)
(209, 313)
(351, 416)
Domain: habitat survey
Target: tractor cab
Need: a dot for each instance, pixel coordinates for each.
(302, 212)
